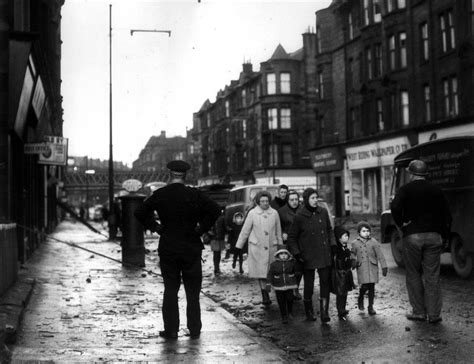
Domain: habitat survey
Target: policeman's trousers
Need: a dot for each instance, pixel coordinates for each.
(189, 269)
(422, 258)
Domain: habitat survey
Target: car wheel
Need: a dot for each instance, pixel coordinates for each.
(462, 261)
(396, 244)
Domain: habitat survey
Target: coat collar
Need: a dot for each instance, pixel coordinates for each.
(305, 212)
(261, 211)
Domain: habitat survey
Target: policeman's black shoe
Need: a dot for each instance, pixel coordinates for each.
(416, 317)
(168, 335)
(434, 319)
(371, 311)
(194, 335)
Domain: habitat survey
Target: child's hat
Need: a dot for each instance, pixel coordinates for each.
(362, 224)
(340, 231)
(281, 251)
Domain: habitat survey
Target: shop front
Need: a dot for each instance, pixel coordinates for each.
(327, 165)
(368, 176)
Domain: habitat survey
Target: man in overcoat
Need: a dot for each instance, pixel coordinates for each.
(184, 215)
(421, 211)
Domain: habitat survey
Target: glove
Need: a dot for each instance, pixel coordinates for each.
(268, 287)
(237, 251)
(384, 271)
(299, 258)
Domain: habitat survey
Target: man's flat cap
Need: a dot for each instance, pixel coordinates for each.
(178, 166)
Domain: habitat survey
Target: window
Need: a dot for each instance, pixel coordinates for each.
(395, 4)
(244, 129)
(351, 26)
(390, 6)
(405, 112)
(378, 60)
(227, 109)
(320, 85)
(401, 4)
(208, 120)
(271, 84)
(318, 39)
(427, 103)
(285, 118)
(366, 12)
(403, 49)
(376, 10)
(447, 31)
(380, 121)
(285, 84)
(450, 94)
(391, 52)
(273, 154)
(425, 51)
(368, 59)
(286, 157)
(244, 98)
(272, 118)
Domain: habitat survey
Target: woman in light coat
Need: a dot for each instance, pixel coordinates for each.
(262, 229)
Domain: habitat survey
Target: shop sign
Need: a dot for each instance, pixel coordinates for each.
(38, 98)
(57, 152)
(377, 154)
(461, 130)
(36, 148)
(132, 185)
(326, 160)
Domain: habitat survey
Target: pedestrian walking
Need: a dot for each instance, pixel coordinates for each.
(262, 230)
(311, 242)
(282, 277)
(217, 236)
(280, 200)
(233, 234)
(287, 214)
(344, 281)
(421, 211)
(184, 215)
(366, 256)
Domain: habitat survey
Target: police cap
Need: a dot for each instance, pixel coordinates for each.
(418, 168)
(178, 166)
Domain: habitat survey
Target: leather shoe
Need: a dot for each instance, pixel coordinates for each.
(194, 335)
(168, 335)
(416, 317)
(434, 319)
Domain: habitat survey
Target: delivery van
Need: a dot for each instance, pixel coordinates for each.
(451, 167)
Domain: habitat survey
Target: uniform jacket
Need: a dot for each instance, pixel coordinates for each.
(281, 274)
(311, 236)
(263, 231)
(420, 207)
(368, 255)
(287, 215)
(184, 214)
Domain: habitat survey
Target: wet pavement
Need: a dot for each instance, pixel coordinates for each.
(86, 308)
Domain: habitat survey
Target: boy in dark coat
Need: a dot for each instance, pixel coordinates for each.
(342, 264)
(281, 276)
(234, 231)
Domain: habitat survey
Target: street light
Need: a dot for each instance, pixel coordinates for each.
(112, 217)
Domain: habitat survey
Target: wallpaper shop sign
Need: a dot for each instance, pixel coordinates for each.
(377, 154)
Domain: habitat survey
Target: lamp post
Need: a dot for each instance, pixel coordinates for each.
(112, 217)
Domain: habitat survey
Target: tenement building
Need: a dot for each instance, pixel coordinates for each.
(376, 78)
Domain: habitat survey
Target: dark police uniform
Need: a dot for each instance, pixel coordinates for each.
(184, 214)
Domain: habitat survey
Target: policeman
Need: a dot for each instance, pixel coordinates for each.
(184, 215)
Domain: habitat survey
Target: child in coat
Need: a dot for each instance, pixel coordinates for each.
(366, 256)
(281, 276)
(344, 281)
(234, 231)
(217, 235)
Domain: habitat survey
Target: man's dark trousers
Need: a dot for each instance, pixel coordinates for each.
(173, 268)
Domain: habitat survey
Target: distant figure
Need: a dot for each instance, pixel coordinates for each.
(82, 212)
(366, 256)
(217, 236)
(421, 211)
(234, 232)
(342, 265)
(281, 276)
(280, 200)
(185, 214)
(263, 231)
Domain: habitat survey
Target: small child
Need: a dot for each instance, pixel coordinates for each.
(281, 275)
(366, 255)
(234, 231)
(217, 235)
(344, 279)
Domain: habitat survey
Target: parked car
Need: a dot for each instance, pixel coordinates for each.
(451, 167)
(217, 192)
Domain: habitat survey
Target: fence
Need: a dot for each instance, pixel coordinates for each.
(8, 256)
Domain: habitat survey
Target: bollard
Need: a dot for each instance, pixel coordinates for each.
(133, 242)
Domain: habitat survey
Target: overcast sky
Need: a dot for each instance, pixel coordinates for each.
(159, 81)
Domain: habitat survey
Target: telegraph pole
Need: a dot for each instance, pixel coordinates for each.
(112, 217)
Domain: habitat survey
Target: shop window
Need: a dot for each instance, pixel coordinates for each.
(356, 191)
(285, 83)
(371, 187)
(271, 84)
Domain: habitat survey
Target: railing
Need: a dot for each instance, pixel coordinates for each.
(8, 256)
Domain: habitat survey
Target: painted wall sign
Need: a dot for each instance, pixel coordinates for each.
(57, 153)
(326, 160)
(377, 154)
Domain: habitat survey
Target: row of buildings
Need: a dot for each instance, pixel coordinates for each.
(375, 78)
(30, 114)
